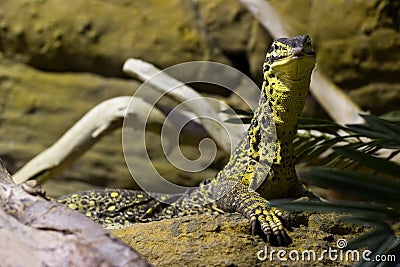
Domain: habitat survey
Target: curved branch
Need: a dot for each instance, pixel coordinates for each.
(99, 121)
(204, 110)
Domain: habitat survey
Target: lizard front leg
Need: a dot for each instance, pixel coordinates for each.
(253, 206)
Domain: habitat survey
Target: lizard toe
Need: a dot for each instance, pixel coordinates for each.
(267, 219)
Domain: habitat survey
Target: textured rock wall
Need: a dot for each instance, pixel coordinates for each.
(98, 36)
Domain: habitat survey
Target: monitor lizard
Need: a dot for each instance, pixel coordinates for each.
(287, 73)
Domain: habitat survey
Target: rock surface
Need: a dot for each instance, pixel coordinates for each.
(98, 36)
(224, 240)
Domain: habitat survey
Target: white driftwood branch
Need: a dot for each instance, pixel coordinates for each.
(205, 111)
(335, 102)
(102, 119)
(267, 16)
(108, 116)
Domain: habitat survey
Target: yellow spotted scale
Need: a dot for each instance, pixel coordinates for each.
(260, 167)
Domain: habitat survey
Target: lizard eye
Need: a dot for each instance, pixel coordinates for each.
(275, 55)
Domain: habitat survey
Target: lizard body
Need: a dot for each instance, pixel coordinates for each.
(287, 71)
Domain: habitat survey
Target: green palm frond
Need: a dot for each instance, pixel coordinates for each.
(356, 165)
(317, 136)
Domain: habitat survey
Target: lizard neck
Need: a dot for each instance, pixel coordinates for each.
(286, 102)
(285, 97)
(285, 94)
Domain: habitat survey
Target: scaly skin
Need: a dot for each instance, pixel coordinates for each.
(239, 186)
(287, 73)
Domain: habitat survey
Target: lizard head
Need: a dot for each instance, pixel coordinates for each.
(291, 59)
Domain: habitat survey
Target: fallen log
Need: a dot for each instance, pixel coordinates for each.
(35, 231)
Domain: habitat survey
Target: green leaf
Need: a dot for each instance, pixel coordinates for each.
(373, 239)
(383, 125)
(370, 187)
(324, 126)
(393, 116)
(331, 160)
(367, 131)
(394, 249)
(306, 148)
(359, 208)
(378, 164)
(307, 122)
(323, 147)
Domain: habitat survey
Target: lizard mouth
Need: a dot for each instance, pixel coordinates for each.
(297, 66)
(298, 56)
(301, 54)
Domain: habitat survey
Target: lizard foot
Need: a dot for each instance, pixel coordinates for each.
(255, 208)
(265, 217)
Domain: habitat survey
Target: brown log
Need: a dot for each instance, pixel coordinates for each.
(35, 231)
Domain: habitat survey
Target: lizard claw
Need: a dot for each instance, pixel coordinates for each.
(278, 237)
(267, 218)
(253, 227)
(255, 208)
